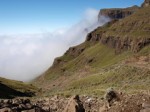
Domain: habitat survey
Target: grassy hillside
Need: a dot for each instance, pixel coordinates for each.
(12, 88)
(95, 65)
(136, 26)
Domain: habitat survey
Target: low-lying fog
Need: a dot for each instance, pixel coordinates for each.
(24, 57)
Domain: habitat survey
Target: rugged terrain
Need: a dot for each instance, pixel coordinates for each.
(118, 13)
(114, 55)
(121, 103)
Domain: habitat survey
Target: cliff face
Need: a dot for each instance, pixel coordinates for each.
(131, 33)
(118, 13)
(146, 3)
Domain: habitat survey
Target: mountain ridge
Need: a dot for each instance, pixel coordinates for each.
(104, 49)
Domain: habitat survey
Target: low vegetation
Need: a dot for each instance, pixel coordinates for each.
(94, 66)
(12, 88)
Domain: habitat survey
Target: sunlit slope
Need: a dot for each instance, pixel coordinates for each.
(112, 55)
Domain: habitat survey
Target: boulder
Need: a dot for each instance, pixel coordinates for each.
(74, 105)
(103, 109)
(5, 110)
(146, 105)
(111, 96)
(29, 106)
(145, 110)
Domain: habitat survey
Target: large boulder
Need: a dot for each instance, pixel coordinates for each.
(146, 107)
(111, 96)
(74, 105)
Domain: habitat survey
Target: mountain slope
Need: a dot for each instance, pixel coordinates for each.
(12, 88)
(112, 55)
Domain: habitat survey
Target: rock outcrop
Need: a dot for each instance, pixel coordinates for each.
(120, 44)
(18, 105)
(118, 13)
(146, 3)
(111, 96)
(124, 34)
(74, 105)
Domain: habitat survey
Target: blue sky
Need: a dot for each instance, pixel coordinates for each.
(36, 16)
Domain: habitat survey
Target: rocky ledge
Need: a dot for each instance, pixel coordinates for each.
(118, 13)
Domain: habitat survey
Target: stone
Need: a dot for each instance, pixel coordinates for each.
(111, 96)
(74, 105)
(32, 110)
(103, 109)
(28, 106)
(21, 106)
(146, 105)
(145, 110)
(26, 101)
(5, 110)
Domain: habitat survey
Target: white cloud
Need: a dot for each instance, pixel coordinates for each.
(24, 57)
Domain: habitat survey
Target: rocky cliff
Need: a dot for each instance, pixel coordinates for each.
(146, 3)
(131, 33)
(118, 13)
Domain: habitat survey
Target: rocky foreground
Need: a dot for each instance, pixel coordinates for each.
(112, 102)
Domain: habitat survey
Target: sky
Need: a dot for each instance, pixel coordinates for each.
(35, 16)
(34, 32)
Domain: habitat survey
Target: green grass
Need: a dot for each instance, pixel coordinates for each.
(99, 61)
(133, 26)
(145, 51)
(125, 78)
(101, 55)
(106, 71)
(12, 88)
(67, 57)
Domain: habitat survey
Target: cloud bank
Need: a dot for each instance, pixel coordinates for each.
(24, 57)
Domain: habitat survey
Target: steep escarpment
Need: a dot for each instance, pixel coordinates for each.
(119, 48)
(131, 33)
(118, 13)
